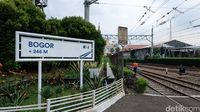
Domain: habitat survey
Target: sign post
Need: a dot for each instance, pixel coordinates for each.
(31, 47)
(39, 83)
(81, 74)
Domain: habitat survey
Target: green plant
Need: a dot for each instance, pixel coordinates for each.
(90, 65)
(116, 71)
(55, 77)
(140, 85)
(11, 65)
(47, 92)
(175, 61)
(59, 90)
(85, 88)
(74, 66)
(13, 93)
(95, 82)
(127, 72)
(72, 74)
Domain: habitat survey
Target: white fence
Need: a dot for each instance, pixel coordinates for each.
(78, 102)
(23, 108)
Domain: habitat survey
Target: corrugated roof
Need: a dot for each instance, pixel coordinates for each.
(133, 47)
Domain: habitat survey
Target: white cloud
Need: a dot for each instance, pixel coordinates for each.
(127, 13)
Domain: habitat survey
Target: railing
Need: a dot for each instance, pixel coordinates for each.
(86, 100)
(77, 102)
(23, 108)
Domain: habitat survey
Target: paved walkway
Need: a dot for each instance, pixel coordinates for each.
(142, 103)
(109, 72)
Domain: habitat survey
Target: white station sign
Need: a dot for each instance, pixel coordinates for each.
(34, 47)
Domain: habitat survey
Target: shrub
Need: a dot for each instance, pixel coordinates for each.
(169, 61)
(10, 65)
(55, 77)
(59, 90)
(47, 92)
(130, 60)
(13, 93)
(85, 88)
(175, 61)
(116, 71)
(127, 72)
(72, 74)
(95, 82)
(140, 85)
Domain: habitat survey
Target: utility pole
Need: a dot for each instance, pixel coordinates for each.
(152, 41)
(40, 3)
(87, 4)
(33, 2)
(170, 30)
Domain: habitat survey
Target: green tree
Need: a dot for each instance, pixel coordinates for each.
(53, 26)
(77, 27)
(17, 15)
(22, 15)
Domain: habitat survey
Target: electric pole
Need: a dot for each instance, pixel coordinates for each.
(152, 41)
(40, 3)
(87, 4)
(33, 2)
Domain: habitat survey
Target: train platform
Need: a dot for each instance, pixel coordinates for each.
(144, 103)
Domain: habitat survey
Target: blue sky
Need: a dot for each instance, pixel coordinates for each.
(113, 13)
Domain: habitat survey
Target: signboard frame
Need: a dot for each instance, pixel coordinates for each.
(18, 50)
(19, 35)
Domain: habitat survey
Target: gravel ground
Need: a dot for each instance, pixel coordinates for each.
(159, 88)
(184, 77)
(179, 88)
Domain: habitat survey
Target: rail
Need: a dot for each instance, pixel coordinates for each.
(23, 108)
(77, 102)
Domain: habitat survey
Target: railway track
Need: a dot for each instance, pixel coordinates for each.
(168, 86)
(159, 89)
(195, 73)
(175, 86)
(174, 80)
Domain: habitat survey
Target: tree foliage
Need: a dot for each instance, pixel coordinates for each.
(22, 15)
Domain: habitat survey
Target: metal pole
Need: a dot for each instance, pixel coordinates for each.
(122, 83)
(122, 65)
(93, 98)
(39, 83)
(33, 2)
(81, 74)
(87, 10)
(170, 30)
(152, 41)
(48, 105)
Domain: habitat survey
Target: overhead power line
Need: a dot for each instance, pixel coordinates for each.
(142, 23)
(173, 17)
(173, 9)
(188, 22)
